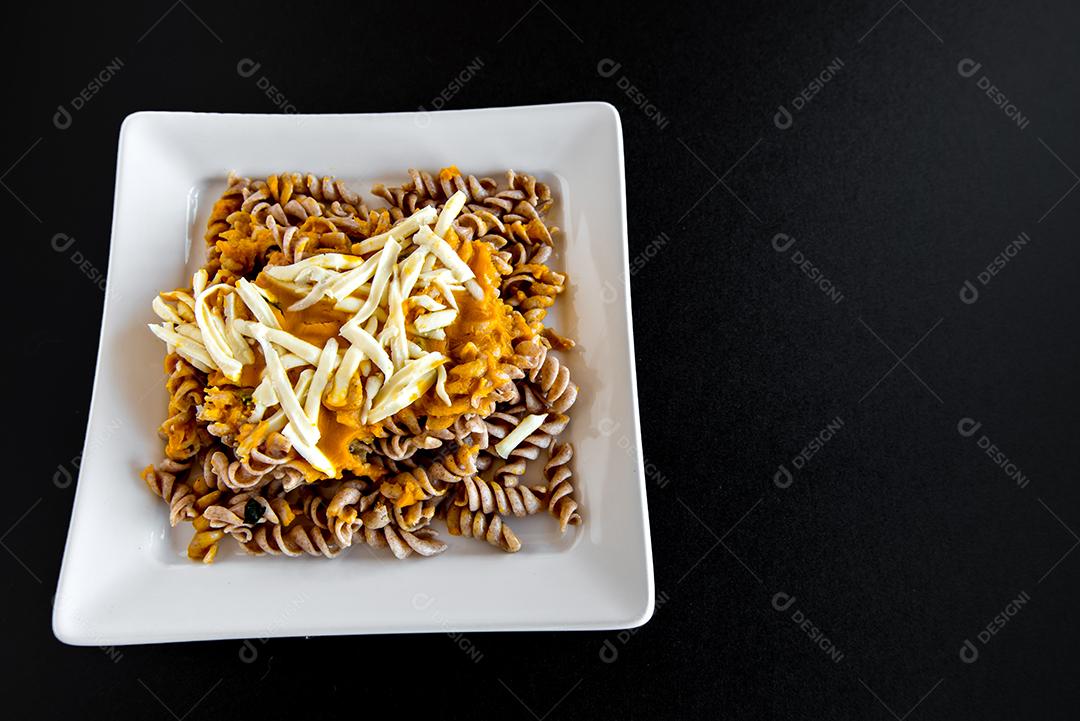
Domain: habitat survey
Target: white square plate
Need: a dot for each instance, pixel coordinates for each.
(125, 578)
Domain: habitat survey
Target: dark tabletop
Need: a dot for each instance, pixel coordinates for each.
(855, 233)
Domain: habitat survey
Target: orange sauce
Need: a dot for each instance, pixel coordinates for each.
(335, 438)
(315, 324)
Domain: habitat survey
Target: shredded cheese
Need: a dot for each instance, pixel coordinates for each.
(347, 368)
(327, 360)
(256, 303)
(348, 283)
(433, 321)
(449, 213)
(449, 257)
(524, 429)
(186, 348)
(309, 451)
(387, 260)
(288, 341)
(164, 311)
(306, 430)
(440, 385)
(424, 216)
(405, 386)
(330, 261)
(212, 328)
(370, 347)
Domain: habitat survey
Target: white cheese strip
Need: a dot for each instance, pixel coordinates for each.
(369, 347)
(291, 360)
(431, 321)
(199, 281)
(346, 370)
(399, 348)
(317, 293)
(264, 393)
(371, 387)
(410, 271)
(447, 292)
(449, 213)
(315, 274)
(212, 328)
(327, 361)
(423, 217)
(288, 341)
(350, 304)
(165, 311)
(416, 351)
(428, 276)
(387, 260)
(437, 334)
(240, 349)
(449, 257)
(256, 303)
(190, 330)
(524, 429)
(258, 405)
(405, 386)
(386, 336)
(348, 283)
(330, 261)
(427, 302)
(309, 451)
(440, 385)
(186, 348)
(276, 422)
(307, 431)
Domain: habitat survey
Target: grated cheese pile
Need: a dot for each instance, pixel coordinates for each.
(333, 331)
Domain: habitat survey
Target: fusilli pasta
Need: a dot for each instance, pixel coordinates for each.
(340, 375)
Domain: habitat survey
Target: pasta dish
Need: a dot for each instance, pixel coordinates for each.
(338, 374)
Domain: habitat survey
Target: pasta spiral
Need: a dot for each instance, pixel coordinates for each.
(487, 526)
(561, 503)
(489, 496)
(161, 479)
(294, 542)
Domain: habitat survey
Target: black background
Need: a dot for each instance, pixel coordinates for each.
(899, 180)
